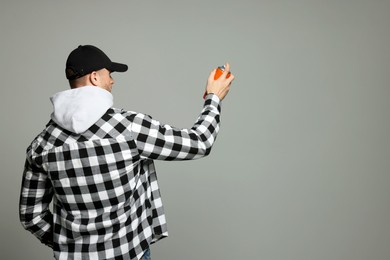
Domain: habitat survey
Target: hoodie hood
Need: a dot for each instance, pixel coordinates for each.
(78, 109)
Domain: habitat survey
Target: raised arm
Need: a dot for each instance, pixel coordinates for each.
(164, 142)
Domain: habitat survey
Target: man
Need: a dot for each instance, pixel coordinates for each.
(96, 163)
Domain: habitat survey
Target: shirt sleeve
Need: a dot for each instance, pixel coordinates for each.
(164, 142)
(35, 197)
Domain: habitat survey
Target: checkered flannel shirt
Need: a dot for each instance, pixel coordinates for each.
(106, 200)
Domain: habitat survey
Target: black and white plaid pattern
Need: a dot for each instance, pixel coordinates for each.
(106, 199)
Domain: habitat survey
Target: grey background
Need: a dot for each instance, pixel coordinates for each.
(301, 168)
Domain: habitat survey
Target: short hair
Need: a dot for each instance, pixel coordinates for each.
(79, 82)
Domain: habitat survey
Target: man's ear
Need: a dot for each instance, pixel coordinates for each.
(94, 78)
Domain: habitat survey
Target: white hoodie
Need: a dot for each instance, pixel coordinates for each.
(78, 109)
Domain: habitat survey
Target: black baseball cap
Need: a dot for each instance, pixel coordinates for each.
(87, 58)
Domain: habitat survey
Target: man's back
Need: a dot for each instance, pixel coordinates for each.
(106, 196)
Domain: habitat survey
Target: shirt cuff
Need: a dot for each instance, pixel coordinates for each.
(213, 100)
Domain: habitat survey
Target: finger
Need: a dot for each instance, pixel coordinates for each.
(227, 69)
(212, 74)
(230, 78)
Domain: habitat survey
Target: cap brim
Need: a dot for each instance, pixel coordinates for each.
(118, 67)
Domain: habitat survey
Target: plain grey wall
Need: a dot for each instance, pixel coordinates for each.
(301, 168)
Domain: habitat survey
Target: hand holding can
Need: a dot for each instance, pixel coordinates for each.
(224, 84)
